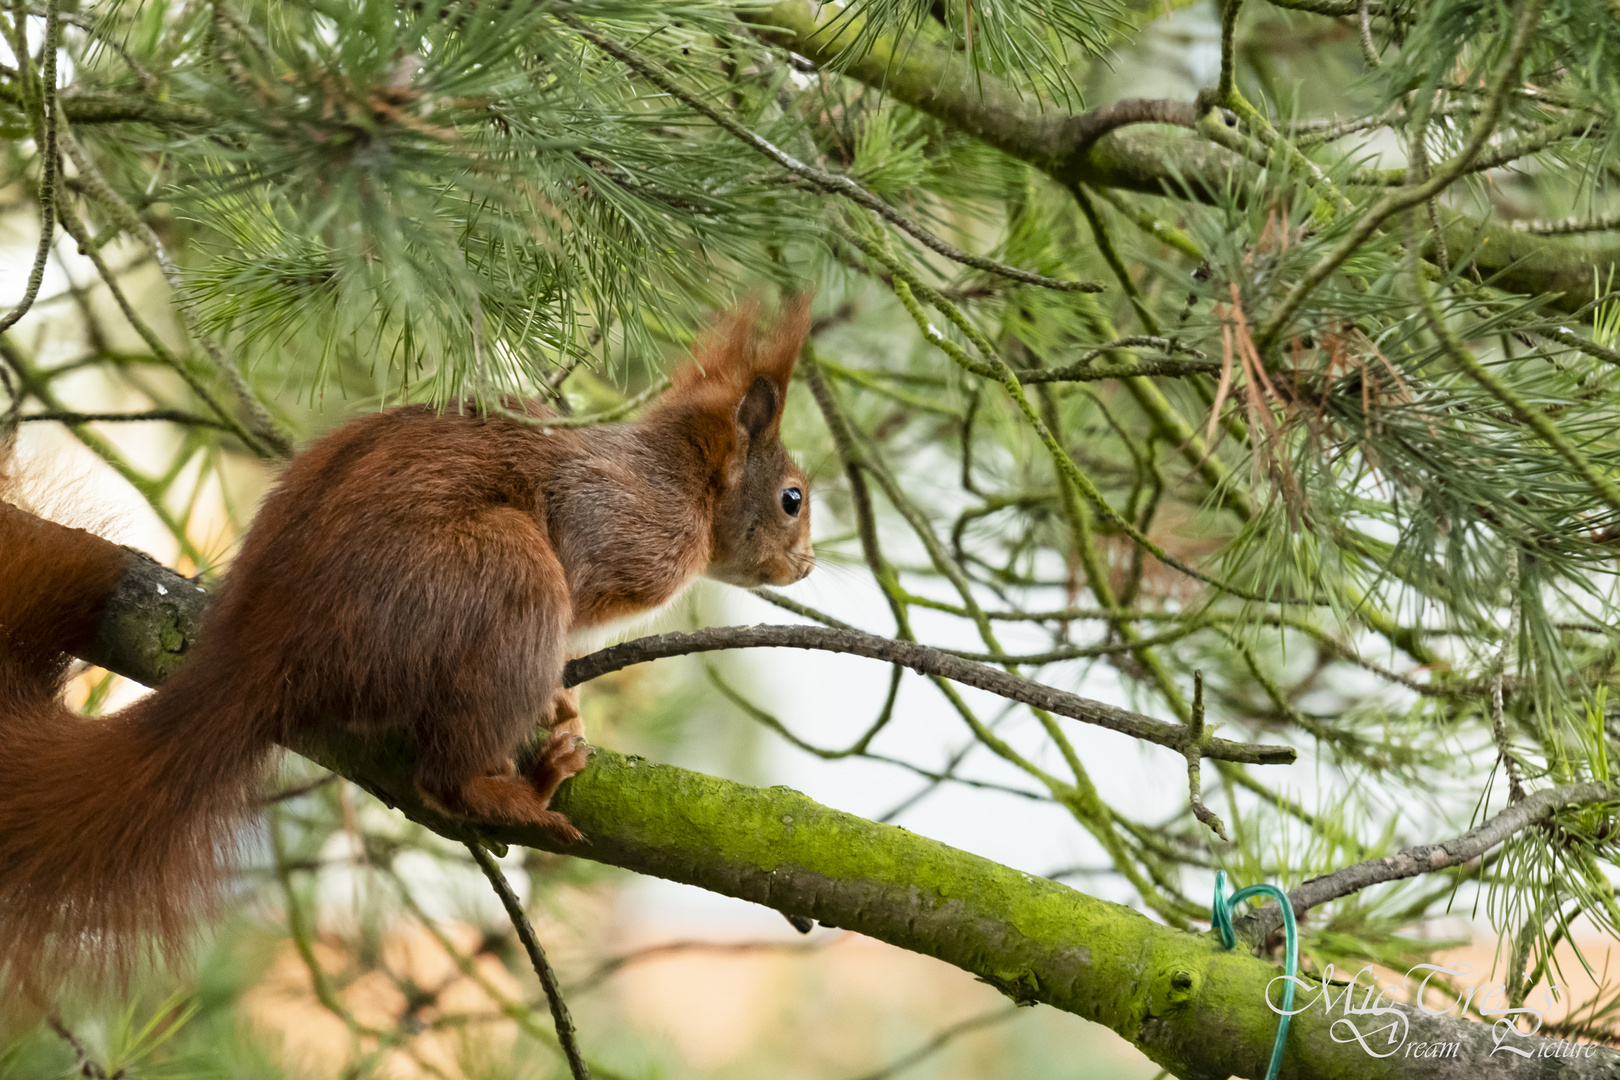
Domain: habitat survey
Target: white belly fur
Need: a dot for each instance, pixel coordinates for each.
(592, 638)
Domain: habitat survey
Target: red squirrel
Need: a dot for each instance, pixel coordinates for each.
(413, 569)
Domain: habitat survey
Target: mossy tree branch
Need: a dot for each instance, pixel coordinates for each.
(1195, 1008)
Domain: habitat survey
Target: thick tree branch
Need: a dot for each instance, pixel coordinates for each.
(1197, 1009)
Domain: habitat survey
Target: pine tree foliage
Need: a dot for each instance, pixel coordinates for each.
(1338, 431)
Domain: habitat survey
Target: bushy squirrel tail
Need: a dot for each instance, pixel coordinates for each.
(118, 832)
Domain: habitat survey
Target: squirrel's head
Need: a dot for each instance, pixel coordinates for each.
(737, 386)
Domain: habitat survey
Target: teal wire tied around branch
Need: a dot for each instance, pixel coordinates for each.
(1221, 915)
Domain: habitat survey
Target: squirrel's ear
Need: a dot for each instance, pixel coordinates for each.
(760, 407)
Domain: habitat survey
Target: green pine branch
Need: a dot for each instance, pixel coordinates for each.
(1132, 148)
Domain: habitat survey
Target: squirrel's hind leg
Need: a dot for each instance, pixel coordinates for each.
(504, 797)
(501, 675)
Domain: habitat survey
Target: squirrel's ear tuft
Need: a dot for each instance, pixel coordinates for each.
(736, 367)
(779, 347)
(720, 356)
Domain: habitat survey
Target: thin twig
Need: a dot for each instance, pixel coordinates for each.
(45, 132)
(514, 1009)
(299, 789)
(85, 1065)
(941, 1039)
(771, 596)
(1195, 735)
(922, 659)
(606, 416)
(173, 416)
(1369, 51)
(611, 967)
(1499, 733)
(1427, 858)
(1565, 336)
(1342, 8)
(1226, 82)
(1330, 129)
(1574, 127)
(537, 956)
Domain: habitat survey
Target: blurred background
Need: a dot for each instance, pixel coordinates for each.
(325, 190)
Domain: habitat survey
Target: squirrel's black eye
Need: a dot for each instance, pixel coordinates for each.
(792, 498)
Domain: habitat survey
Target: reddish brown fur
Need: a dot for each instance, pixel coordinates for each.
(111, 829)
(411, 570)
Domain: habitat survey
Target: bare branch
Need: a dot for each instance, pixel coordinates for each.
(1427, 858)
(606, 416)
(926, 661)
(84, 1065)
(611, 967)
(1337, 8)
(173, 416)
(1195, 792)
(942, 1038)
(298, 790)
(566, 1035)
